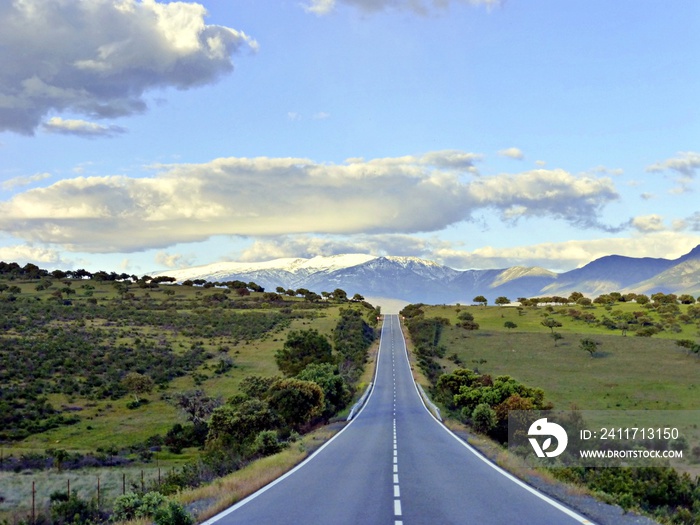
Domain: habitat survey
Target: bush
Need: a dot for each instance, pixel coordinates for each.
(336, 393)
(132, 506)
(296, 402)
(71, 509)
(267, 443)
(173, 514)
(483, 418)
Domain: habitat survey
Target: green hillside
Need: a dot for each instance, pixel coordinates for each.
(93, 369)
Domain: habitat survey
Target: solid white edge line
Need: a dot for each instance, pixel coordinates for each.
(284, 476)
(554, 503)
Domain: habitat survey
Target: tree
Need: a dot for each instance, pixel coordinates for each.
(686, 299)
(510, 325)
(551, 323)
(240, 423)
(340, 295)
(589, 345)
(584, 301)
(623, 326)
(556, 336)
(255, 287)
(137, 384)
(295, 401)
(197, 405)
(641, 299)
(502, 300)
(480, 299)
(336, 393)
(302, 348)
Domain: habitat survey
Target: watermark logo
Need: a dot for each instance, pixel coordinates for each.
(542, 427)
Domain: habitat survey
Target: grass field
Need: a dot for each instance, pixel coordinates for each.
(628, 377)
(626, 372)
(107, 424)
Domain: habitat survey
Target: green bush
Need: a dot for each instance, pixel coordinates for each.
(71, 509)
(173, 514)
(483, 418)
(132, 506)
(267, 443)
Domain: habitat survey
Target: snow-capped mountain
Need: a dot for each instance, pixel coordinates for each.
(417, 280)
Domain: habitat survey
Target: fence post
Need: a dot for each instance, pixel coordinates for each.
(68, 488)
(123, 483)
(143, 486)
(33, 502)
(98, 492)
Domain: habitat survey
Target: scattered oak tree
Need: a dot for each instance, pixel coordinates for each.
(589, 345)
(137, 384)
(302, 348)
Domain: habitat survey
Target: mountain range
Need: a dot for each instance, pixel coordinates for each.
(410, 279)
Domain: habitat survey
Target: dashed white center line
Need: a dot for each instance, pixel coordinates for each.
(395, 459)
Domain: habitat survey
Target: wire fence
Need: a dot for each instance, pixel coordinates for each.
(28, 494)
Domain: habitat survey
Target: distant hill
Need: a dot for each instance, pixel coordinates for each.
(417, 280)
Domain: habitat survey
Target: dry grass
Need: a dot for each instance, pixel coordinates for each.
(509, 462)
(224, 492)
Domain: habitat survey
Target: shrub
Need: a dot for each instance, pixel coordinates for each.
(267, 443)
(71, 509)
(173, 514)
(483, 418)
(132, 506)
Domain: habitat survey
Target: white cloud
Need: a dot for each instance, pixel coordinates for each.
(693, 222)
(648, 223)
(564, 256)
(25, 253)
(556, 193)
(558, 256)
(81, 128)
(308, 246)
(99, 57)
(282, 196)
(172, 260)
(324, 7)
(512, 153)
(17, 182)
(687, 163)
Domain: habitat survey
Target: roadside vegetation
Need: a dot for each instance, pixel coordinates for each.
(188, 382)
(612, 352)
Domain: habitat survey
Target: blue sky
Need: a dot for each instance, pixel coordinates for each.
(142, 135)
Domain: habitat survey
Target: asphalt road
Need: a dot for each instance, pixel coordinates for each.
(395, 464)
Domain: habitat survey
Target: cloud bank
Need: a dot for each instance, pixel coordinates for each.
(81, 128)
(99, 57)
(563, 256)
(323, 7)
(687, 163)
(281, 196)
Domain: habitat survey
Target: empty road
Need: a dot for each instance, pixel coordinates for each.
(395, 464)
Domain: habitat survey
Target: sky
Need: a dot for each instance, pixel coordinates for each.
(140, 135)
